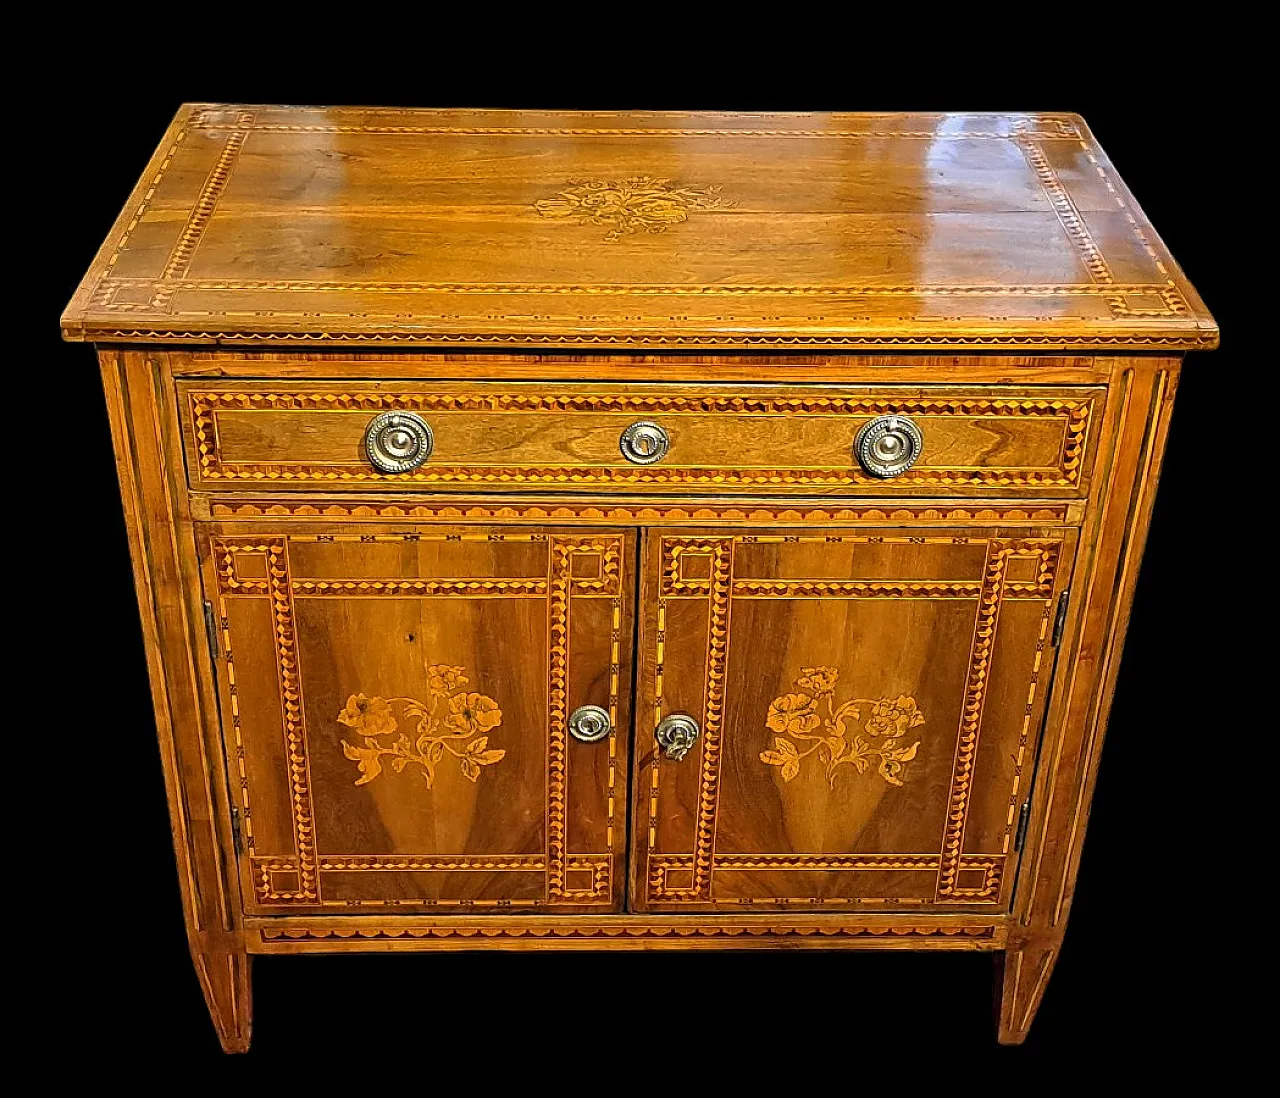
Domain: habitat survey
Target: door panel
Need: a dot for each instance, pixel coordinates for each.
(868, 707)
(396, 704)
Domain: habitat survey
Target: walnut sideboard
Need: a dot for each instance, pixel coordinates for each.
(632, 530)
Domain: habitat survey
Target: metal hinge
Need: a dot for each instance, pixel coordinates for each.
(235, 828)
(1059, 618)
(211, 629)
(1024, 818)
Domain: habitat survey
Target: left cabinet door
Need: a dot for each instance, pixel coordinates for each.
(397, 709)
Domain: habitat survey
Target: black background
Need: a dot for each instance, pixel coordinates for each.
(1138, 976)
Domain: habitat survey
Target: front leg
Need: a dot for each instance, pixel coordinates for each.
(1022, 973)
(223, 969)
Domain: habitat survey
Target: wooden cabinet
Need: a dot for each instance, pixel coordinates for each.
(632, 531)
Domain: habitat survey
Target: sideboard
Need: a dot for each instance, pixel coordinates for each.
(589, 530)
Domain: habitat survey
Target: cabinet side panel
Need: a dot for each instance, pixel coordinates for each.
(1134, 433)
(141, 404)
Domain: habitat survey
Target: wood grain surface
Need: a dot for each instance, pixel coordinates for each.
(634, 229)
(756, 367)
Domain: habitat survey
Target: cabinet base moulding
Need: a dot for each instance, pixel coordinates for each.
(331, 935)
(653, 512)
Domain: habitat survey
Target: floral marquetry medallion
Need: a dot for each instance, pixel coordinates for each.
(810, 722)
(452, 726)
(640, 204)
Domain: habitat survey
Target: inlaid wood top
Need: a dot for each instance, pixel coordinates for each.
(634, 230)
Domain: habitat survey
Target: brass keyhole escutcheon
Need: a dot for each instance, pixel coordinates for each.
(676, 734)
(644, 443)
(589, 723)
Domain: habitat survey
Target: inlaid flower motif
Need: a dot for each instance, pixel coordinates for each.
(828, 731)
(821, 680)
(894, 717)
(792, 713)
(479, 754)
(452, 725)
(473, 713)
(368, 716)
(784, 754)
(443, 681)
(638, 204)
(367, 759)
(891, 762)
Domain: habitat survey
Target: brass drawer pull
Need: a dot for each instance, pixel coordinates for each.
(589, 723)
(398, 442)
(644, 443)
(675, 735)
(888, 445)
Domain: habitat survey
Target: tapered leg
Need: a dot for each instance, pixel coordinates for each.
(226, 980)
(1021, 976)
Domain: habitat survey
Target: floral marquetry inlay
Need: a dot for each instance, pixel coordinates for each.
(809, 721)
(454, 724)
(641, 204)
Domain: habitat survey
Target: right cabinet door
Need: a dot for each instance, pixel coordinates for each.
(842, 719)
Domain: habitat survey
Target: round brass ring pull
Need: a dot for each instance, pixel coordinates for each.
(676, 734)
(397, 442)
(888, 445)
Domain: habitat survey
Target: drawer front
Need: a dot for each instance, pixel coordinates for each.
(1023, 441)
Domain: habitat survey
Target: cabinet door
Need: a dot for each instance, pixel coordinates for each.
(397, 714)
(867, 706)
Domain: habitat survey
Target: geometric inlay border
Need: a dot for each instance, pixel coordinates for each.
(621, 928)
(622, 512)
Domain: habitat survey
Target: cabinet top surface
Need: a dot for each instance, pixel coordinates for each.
(352, 226)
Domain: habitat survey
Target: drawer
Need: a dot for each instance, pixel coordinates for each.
(1001, 440)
